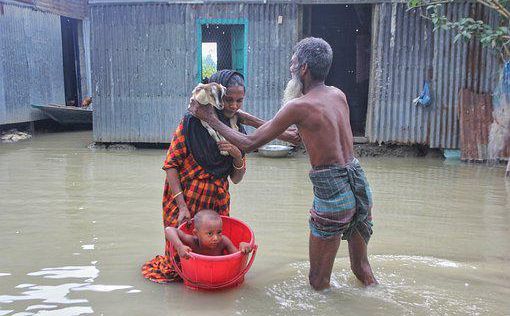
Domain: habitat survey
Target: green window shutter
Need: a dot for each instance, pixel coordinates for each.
(237, 36)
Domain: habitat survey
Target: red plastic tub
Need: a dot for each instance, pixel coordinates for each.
(218, 272)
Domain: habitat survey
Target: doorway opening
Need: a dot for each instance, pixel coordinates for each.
(71, 62)
(347, 28)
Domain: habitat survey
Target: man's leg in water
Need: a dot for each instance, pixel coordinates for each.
(322, 254)
(359, 260)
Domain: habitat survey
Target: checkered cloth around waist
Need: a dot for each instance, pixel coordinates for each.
(330, 181)
(342, 199)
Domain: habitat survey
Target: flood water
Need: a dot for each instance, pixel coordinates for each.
(77, 224)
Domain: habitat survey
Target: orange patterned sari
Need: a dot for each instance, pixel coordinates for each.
(201, 190)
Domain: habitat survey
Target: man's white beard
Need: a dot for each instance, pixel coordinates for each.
(293, 90)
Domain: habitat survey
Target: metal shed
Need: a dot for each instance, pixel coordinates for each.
(146, 56)
(406, 53)
(144, 62)
(31, 56)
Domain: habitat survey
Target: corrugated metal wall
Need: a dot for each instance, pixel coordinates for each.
(246, 1)
(71, 8)
(31, 68)
(406, 53)
(144, 63)
(144, 67)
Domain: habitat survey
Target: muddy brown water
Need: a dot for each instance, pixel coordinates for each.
(77, 224)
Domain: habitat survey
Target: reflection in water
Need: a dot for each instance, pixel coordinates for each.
(58, 294)
(48, 294)
(440, 244)
(32, 307)
(68, 272)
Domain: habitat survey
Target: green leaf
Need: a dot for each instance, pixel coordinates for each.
(468, 28)
(431, 7)
(414, 3)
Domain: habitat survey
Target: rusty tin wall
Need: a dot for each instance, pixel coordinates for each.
(406, 54)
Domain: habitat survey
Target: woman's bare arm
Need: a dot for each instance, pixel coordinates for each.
(174, 182)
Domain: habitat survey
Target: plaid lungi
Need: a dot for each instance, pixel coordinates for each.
(342, 201)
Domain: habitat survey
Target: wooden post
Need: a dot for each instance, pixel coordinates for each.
(508, 168)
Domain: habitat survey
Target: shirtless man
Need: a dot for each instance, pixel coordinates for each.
(342, 197)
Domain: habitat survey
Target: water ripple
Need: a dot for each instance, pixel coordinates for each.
(409, 285)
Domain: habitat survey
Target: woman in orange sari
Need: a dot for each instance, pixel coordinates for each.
(197, 174)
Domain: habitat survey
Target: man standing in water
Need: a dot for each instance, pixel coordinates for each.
(342, 198)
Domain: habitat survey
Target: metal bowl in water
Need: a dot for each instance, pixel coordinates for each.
(275, 151)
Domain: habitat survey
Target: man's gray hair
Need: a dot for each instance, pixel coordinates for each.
(317, 54)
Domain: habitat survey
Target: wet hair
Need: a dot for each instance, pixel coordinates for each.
(317, 54)
(205, 215)
(227, 78)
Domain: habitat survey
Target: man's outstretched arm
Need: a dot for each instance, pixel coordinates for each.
(250, 119)
(270, 130)
(290, 135)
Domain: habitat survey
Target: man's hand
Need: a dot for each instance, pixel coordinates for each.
(232, 150)
(184, 251)
(291, 135)
(203, 112)
(244, 247)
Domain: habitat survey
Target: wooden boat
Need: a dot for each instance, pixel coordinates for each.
(67, 115)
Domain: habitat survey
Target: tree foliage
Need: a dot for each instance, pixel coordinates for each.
(497, 37)
(209, 67)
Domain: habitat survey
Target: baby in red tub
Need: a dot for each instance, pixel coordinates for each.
(206, 239)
